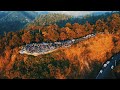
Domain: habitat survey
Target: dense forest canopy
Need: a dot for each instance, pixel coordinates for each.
(51, 18)
(62, 19)
(81, 60)
(15, 20)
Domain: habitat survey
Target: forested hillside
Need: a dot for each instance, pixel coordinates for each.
(62, 19)
(82, 60)
(15, 20)
(51, 18)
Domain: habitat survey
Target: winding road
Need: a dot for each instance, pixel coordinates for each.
(108, 66)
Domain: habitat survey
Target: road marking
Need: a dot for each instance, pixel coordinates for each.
(97, 75)
(115, 62)
(112, 57)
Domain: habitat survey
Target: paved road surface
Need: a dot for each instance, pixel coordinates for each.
(108, 66)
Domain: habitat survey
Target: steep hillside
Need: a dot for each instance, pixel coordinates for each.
(82, 60)
(3, 14)
(15, 20)
(92, 18)
(50, 18)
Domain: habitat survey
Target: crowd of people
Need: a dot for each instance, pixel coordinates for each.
(37, 48)
(46, 47)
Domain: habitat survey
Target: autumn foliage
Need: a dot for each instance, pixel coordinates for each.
(81, 60)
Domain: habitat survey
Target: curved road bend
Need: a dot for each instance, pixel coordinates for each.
(108, 66)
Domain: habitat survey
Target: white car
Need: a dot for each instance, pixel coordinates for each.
(107, 62)
(112, 67)
(101, 71)
(104, 65)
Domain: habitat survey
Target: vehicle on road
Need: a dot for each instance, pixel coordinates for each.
(101, 71)
(112, 67)
(107, 62)
(104, 65)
